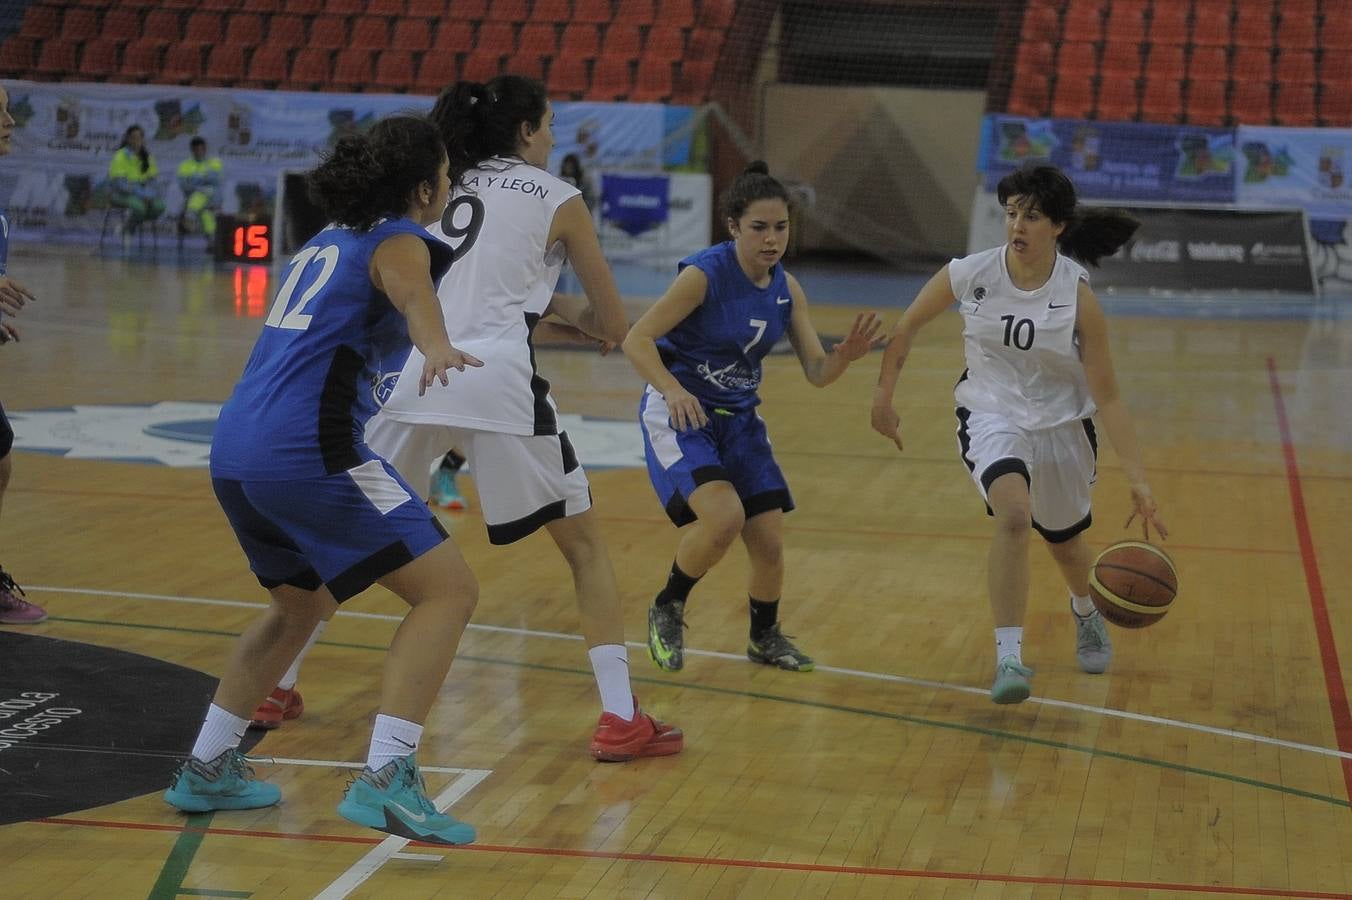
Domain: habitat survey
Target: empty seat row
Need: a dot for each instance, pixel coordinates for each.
(1082, 60)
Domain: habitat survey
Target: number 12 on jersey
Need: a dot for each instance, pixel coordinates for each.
(297, 319)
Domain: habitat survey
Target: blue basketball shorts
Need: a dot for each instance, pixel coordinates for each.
(732, 447)
(345, 531)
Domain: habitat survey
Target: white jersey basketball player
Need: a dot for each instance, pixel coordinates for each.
(1038, 367)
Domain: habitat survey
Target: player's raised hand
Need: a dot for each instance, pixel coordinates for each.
(1144, 505)
(435, 366)
(862, 338)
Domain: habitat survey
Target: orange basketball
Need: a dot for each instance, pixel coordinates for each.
(1133, 584)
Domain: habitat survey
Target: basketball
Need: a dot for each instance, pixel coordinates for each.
(1133, 584)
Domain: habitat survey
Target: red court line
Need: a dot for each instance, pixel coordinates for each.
(811, 868)
(1328, 648)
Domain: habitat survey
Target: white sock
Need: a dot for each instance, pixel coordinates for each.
(293, 674)
(220, 732)
(392, 739)
(1009, 642)
(1083, 606)
(610, 662)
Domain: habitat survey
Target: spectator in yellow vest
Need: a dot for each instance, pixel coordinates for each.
(133, 173)
(200, 178)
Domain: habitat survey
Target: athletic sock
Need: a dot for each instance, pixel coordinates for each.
(392, 739)
(610, 663)
(677, 588)
(220, 732)
(1009, 642)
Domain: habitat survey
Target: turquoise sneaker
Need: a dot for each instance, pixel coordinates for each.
(227, 782)
(1011, 681)
(1093, 648)
(394, 800)
(444, 491)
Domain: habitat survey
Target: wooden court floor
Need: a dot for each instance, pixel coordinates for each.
(1214, 759)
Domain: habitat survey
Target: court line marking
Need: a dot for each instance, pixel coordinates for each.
(1344, 754)
(809, 868)
(392, 846)
(1314, 584)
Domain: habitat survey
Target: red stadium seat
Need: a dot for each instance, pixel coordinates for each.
(1035, 56)
(1126, 21)
(243, 30)
(1335, 104)
(454, 37)
(635, 12)
(610, 79)
(1255, 64)
(1296, 30)
(40, 22)
(716, 13)
(352, 69)
(580, 41)
(1295, 67)
(182, 63)
(1168, 23)
(1253, 24)
(57, 59)
(80, 24)
(268, 67)
(705, 43)
(539, 39)
(326, 33)
(1121, 61)
(369, 33)
(98, 60)
(1161, 100)
(594, 12)
(505, 11)
(1295, 105)
(621, 41)
(1073, 97)
(1206, 103)
(427, 9)
(496, 37)
(204, 27)
(1211, 23)
(1028, 95)
(474, 10)
(311, 70)
(1251, 103)
(262, 6)
(1076, 60)
(412, 34)
(568, 78)
(394, 71)
(225, 65)
(285, 31)
(436, 71)
(652, 84)
(391, 9)
(141, 59)
(121, 24)
(18, 56)
(1336, 34)
(665, 43)
(1117, 99)
(554, 12)
(1040, 23)
(676, 13)
(1165, 61)
(1083, 21)
(690, 87)
(344, 8)
(163, 26)
(1208, 63)
(482, 65)
(527, 65)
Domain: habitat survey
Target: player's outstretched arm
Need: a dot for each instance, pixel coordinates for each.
(401, 269)
(681, 299)
(822, 368)
(935, 297)
(602, 315)
(1092, 326)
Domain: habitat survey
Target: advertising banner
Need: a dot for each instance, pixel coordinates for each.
(1296, 167)
(54, 183)
(656, 220)
(1116, 160)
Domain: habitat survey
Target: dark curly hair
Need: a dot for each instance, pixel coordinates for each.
(479, 121)
(1091, 232)
(368, 177)
(755, 183)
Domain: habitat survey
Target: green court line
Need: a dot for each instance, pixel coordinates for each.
(812, 704)
(205, 892)
(169, 884)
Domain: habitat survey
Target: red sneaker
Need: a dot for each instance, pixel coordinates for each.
(14, 607)
(620, 740)
(280, 704)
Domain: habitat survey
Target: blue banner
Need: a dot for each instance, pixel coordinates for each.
(1304, 168)
(1116, 160)
(635, 203)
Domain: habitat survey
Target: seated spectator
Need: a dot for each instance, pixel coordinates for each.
(200, 178)
(133, 173)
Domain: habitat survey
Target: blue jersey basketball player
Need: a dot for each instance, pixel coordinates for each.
(319, 515)
(700, 347)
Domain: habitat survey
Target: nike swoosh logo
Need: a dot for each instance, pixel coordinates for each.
(404, 742)
(418, 817)
(782, 300)
(1057, 305)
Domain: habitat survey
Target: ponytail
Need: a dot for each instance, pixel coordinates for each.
(1096, 232)
(1090, 233)
(480, 121)
(755, 183)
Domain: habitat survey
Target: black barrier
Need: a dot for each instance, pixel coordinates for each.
(1210, 251)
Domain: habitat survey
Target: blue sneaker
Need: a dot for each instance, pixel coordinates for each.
(444, 491)
(394, 800)
(1011, 681)
(227, 782)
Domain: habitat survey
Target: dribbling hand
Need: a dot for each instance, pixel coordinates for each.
(685, 411)
(887, 423)
(436, 365)
(1144, 505)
